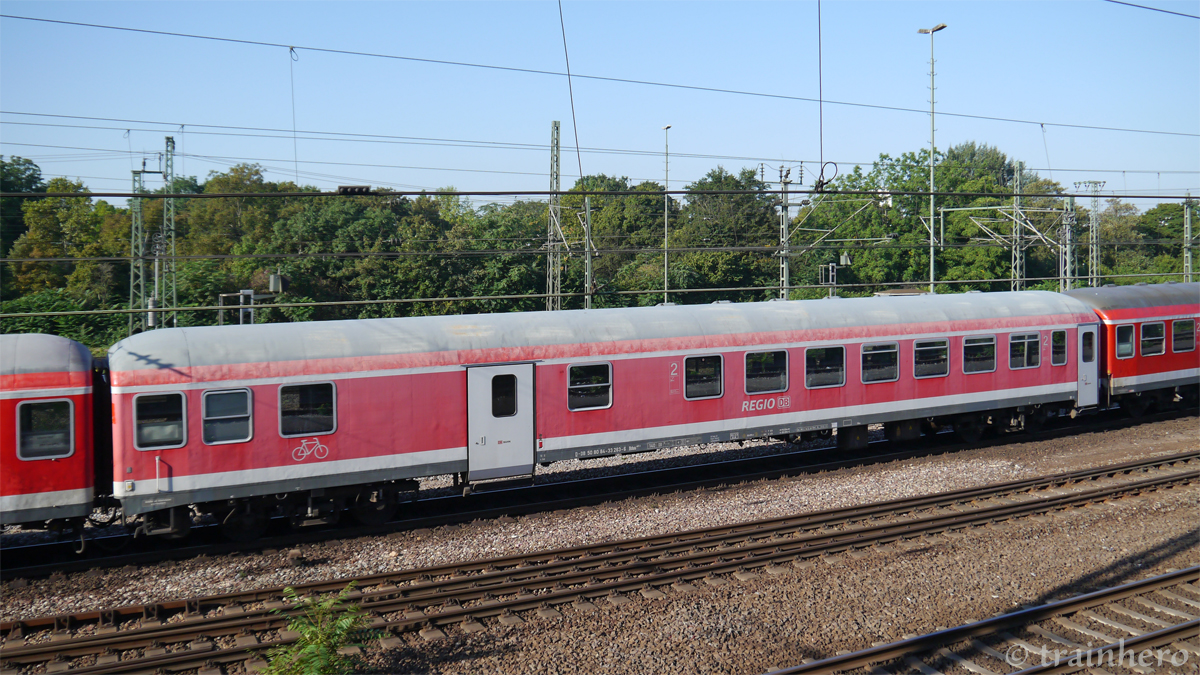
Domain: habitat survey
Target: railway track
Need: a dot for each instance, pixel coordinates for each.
(44, 559)
(205, 633)
(1111, 628)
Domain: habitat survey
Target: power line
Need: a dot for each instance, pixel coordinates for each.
(533, 71)
(1153, 9)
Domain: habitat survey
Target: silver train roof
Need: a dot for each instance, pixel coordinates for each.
(219, 345)
(24, 353)
(1137, 296)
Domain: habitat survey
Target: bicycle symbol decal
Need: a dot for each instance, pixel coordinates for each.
(310, 447)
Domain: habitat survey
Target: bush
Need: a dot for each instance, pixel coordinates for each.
(325, 627)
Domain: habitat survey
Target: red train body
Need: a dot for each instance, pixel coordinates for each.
(306, 420)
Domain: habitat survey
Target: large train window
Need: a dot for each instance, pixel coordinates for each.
(589, 387)
(824, 367)
(45, 429)
(227, 416)
(1125, 341)
(979, 354)
(880, 363)
(766, 372)
(1058, 348)
(931, 358)
(1154, 339)
(307, 409)
(1024, 351)
(1183, 335)
(702, 377)
(159, 421)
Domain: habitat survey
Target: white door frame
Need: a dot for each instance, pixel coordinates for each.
(1089, 373)
(500, 444)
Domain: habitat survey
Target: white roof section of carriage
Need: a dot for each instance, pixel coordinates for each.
(219, 345)
(26, 353)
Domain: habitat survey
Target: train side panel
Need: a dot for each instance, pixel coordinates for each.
(46, 433)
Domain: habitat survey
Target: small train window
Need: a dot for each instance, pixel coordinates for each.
(159, 421)
(1183, 335)
(824, 367)
(979, 354)
(504, 395)
(307, 409)
(766, 372)
(1058, 348)
(702, 377)
(227, 416)
(1154, 339)
(589, 387)
(45, 429)
(880, 363)
(1125, 341)
(931, 358)
(1024, 351)
(1089, 347)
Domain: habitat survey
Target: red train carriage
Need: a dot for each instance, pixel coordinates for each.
(46, 449)
(303, 419)
(1148, 340)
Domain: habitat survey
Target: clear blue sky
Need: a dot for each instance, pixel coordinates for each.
(1085, 62)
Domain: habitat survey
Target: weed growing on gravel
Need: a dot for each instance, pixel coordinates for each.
(325, 627)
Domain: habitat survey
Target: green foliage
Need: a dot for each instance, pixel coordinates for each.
(325, 626)
(96, 331)
(17, 174)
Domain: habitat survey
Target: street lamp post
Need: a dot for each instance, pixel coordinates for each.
(932, 149)
(666, 200)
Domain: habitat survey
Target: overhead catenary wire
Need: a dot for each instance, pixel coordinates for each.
(534, 71)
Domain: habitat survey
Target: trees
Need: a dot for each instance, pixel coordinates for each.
(17, 174)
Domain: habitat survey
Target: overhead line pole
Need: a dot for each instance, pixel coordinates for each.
(932, 152)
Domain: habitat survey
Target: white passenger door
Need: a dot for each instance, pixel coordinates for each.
(500, 438)
(1089, 366)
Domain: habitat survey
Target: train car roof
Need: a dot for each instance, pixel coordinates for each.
(27, 353)
(1138, 296)
(263, 343)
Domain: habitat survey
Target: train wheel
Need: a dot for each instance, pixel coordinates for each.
(373, 507)
(968, 428)
(244, 523)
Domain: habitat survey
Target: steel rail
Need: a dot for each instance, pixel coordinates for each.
(925, 643)
(807, 521)
(600, 582)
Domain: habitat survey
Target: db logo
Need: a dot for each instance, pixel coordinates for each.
(766, 404)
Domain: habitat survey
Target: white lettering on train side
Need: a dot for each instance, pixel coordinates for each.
(766, 404)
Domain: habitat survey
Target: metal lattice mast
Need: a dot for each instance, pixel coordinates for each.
(169, 293)
(1187, 239)
(1093, 186)
(137, 255)
(1066, 249)
(554, 227)
(1017, 272)
(785, 273)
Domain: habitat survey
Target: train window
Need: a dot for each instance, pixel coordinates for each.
(1154, 339)
(307, 409)
(1183, 335)
(979, 354)
(589, 387)
(1024, 351)
(1058, 348)
(226, 416)
(766, 372)
(931, 358)
(702, 377)
(159, 421)
(504, 395)
(880, 363)
(824, 367)
(1125, 341)
(45, 429)
(1089, 347)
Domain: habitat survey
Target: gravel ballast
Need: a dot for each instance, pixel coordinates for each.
(744, 627)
